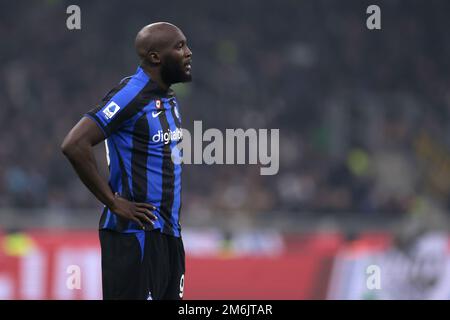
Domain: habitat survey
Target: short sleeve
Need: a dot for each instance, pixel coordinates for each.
(119, 105)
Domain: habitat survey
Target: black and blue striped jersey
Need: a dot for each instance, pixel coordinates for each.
(142, 126)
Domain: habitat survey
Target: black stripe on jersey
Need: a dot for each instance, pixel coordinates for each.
(168, 179)
(139, 155)
(106, 99)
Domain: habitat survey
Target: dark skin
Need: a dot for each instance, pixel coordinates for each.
(166, 58)
(163, 46)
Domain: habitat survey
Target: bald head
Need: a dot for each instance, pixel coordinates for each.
(164, 53)
(155, 37)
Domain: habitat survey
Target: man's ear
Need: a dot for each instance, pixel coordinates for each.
(153, 57)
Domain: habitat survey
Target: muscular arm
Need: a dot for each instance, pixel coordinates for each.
(78, 148)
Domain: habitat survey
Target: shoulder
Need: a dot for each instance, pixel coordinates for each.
(128, 90)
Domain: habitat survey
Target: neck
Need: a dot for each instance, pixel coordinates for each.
(155, 74)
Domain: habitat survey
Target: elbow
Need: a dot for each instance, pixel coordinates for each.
(66, 147)
(69, 148)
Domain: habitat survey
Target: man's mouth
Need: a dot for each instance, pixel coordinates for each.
(187, 66)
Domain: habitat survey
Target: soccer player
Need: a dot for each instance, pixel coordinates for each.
(141, 245)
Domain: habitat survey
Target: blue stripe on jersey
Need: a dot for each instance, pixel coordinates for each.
(141, 238)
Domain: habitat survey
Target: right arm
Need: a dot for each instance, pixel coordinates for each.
(78, 148)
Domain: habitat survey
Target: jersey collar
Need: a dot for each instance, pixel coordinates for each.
(152, 85)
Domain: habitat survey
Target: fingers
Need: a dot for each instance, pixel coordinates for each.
(143, 214)
(148, 213)
(147, 209)
(143, 218)
(139, 223)
(145, 205)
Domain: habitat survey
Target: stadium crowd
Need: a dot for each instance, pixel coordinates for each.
(363, 115)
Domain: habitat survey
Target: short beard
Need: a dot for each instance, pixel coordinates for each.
(171, 72)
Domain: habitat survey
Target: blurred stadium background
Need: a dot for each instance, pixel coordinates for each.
(364, 125)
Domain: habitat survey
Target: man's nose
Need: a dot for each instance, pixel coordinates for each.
(188, 52)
